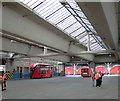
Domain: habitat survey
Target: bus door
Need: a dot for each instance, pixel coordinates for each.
(36, 73)
(49, 72)
(44, 72)
(52, 72)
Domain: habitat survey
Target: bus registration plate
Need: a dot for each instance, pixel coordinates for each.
(84, 73)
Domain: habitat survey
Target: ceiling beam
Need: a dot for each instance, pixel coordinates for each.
(35, 29)
(105, 22)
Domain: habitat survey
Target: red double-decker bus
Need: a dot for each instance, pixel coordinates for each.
(41, 70)
(86, 72)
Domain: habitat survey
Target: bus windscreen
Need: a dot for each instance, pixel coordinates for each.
(84, 70)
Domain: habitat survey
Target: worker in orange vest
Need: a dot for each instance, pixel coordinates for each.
(97, 76)
(3, 77)
(93, 79)
(101, 74)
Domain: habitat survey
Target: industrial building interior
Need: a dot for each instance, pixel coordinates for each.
(67, 34)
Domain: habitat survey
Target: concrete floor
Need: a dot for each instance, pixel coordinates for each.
(61, 88)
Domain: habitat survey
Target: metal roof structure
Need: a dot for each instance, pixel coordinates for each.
(69, 18)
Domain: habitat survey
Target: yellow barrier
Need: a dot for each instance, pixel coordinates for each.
(9, 76)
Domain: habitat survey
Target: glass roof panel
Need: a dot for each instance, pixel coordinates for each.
(71, 11)
(26, 1)
(22, 0)
(86, 24)
(36, 2)
(61, 18)
(52, 8)
(81, 35)
(73, 27)
(83, 39)
(94, 45)
(68, 17)
(83, 24)
(39, 6)
(59, 15)
(102, 49)
(92, 41)
(70, 25)
(76, 33)
(31, 2)
(81, 31)
(67, 22)
(74, 5)
(56, 13)
(45, 8)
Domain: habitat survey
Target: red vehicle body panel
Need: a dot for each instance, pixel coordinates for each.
(86, 72)
(69, 71)
(101, 69)
(41, 70)
(79, 71)
(115, 70)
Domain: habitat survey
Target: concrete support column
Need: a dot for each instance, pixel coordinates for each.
(88, 38)
(57, 68)
(119, 50)
(0, 41)
(108, 66)
(0, 28)
(92, 65)
(64, 70)
(74, 69)
(30, 62)
(45, 50)
(10, 65)
(0, 15)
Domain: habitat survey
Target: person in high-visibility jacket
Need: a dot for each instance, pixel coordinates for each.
(101, 74)
(3, 77)
(93, 79)
(97, 76)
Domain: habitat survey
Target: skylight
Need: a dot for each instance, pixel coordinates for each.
(68, 17)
